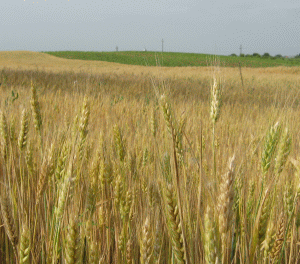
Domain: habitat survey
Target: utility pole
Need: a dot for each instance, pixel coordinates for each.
(162, 45)
(240, 49)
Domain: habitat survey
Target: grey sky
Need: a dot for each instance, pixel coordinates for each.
(214, 26)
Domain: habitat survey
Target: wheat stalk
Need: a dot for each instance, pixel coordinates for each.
(29, 159)
(93, 253)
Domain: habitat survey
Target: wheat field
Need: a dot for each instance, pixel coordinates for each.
(136, 164)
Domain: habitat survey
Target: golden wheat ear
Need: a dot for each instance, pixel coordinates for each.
(9, 223)
(174, 224)
(276, 249)
(146, 246)
(22, 140)
(225, 206)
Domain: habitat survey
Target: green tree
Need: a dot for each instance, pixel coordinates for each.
(266, 55)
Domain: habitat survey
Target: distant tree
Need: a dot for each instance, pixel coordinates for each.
(256, 55)
(233, 55)
(278, 56)
(242, 55)
(266, 55)
(248, 55)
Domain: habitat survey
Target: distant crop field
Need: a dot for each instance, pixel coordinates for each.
(174, 59)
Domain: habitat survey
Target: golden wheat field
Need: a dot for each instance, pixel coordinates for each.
(108, 163)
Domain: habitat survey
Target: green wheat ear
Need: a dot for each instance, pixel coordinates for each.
(284, 149)
(119, 143)
(270, 145)
(73, 244)
(36, 111)
(25, 246)
(210, 243)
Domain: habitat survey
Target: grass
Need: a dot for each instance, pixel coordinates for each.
(116, 167)
(174, 59)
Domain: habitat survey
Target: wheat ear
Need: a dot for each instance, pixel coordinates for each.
(153, 123)
(210, 244)
(268, 243)
(215, 100)
(25, 246)
(275, 252)
(84, 120)
(176, 138)
(284, 149)
(119, 143)
(146, 247)
(264, 218)
(4, 134)
(225, 206)
(73, 244)
(45, 173)
(36, 112)
(22, 140)
(129, 251)
(271, 142)
(214, 115)
(174, 224)
(9, 223)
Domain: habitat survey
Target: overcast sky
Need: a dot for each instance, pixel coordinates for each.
(207, 26)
